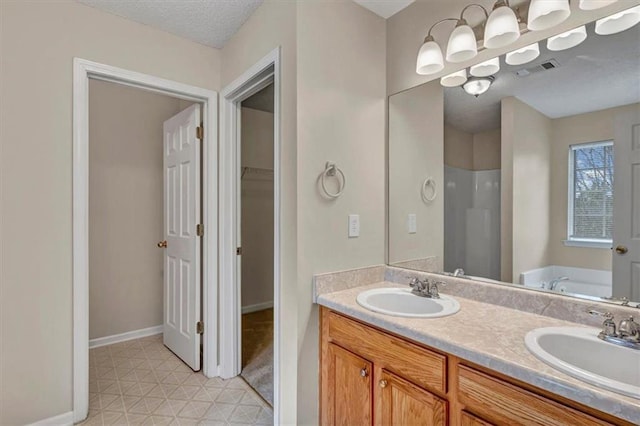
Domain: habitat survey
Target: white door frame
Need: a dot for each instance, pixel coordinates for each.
(83, 70)
(257, 77)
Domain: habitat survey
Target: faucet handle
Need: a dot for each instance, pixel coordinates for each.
(433, 289)
(608, 326)
(629, 329)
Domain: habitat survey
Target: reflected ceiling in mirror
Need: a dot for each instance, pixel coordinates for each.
(524, 173)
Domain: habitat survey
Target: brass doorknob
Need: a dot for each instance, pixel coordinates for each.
(162, 244)
(622, 250)
(383, 383)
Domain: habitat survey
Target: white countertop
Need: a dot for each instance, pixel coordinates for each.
(490, 336)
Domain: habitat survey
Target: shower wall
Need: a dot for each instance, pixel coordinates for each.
(472, 221)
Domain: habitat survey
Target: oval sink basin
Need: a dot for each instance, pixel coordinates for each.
(579, 352)
(401, 302)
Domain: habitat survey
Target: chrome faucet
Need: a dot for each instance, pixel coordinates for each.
(425, 288)
(627, 334)
(459, 272)
(554, 282)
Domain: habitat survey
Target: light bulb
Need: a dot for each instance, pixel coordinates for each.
(454, 79)
(595, 4)
(486, 68)
(618, 22)
(524, 55)
(462, 44)
(545, 14)
(429, 58)
(567, 39)
(501, 28)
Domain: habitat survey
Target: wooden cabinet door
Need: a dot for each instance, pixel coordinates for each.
(402, 403)
(467, 419)
(347, 395)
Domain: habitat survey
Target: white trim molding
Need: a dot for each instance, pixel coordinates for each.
(123, 337)
(65, 419)
(588, 243)
(83, 70)
(260, 75)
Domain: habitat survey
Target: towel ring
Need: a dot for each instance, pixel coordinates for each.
(429, 182)
(332, 170)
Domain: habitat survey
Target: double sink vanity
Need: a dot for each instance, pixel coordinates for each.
(470, 353)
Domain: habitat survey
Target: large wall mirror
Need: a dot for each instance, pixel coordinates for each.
(533, 182)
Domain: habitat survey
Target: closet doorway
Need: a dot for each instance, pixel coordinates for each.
(256, 233)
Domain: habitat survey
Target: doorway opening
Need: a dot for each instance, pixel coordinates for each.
(239, 173)
(126, 210)
(256, 236)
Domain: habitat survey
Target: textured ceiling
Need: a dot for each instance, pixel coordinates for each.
(602, 72)
(384, 8)
(209, 22)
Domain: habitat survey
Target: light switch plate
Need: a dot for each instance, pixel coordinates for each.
(412, 223)
(354, 225)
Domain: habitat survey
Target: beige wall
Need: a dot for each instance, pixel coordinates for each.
(341, 117)
(417, 148)
(257, 208)
(526, 176)
(407, 29)
(583, 128)
(38, 43)
(486, 150)
(125, 207)
(271, 26)
(471, 151)
(458, 145)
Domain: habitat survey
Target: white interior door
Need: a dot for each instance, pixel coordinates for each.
(626, 208)
(182, 273)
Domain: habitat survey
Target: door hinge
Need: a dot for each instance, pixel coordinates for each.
(200, 230)
(200, 132)
(200, 327)
(239, 251)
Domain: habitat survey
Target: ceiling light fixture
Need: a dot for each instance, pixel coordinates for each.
(486, 68)
(430, 60)
(502, 26)
(595, 4)
(524, 55)
(568, 39)
(462, 44)
(618, 22)
(455, 79)
(476, 86)
(545, 14)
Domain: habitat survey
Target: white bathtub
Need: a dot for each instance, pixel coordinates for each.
(592, 282)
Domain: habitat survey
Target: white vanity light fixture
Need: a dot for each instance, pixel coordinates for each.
(430, 60)
(502, 26)
(486, 68)
(595, 4)
(567, 39)
(545, 14)
(618, 22)
(524, 55)
(455, 79)
(462, 44)
(476, 86)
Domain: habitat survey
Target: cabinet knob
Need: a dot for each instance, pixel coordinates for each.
(364, 372)
(383, 383)
(162, 244)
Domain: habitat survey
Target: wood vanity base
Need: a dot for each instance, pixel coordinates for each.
(372, 377)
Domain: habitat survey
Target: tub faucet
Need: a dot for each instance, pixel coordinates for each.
(459, 272)
(554, 282)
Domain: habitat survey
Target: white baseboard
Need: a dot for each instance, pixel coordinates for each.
(129, 335)
(65, 419)
(257, 307)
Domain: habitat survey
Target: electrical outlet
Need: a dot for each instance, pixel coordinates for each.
(354, 226)
(412, 224)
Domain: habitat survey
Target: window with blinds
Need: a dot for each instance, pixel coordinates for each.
(591, 192)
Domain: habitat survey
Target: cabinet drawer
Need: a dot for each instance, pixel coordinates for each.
(467, 419)
(425, 368)
(505, 404)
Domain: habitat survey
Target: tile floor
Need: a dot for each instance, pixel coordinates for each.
(142, 382)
